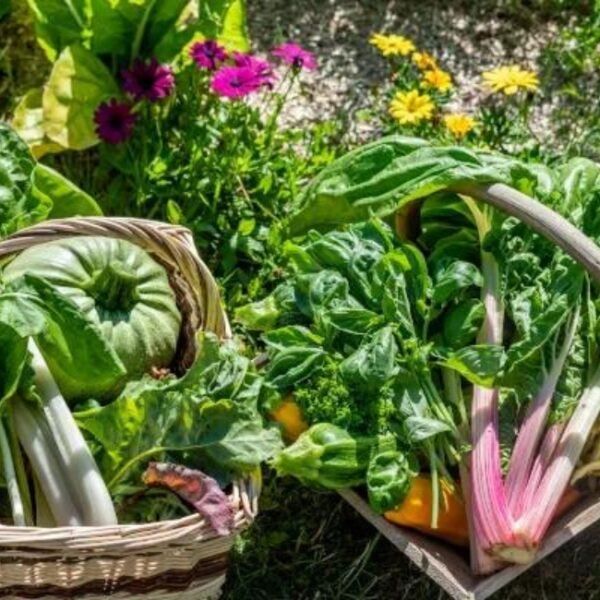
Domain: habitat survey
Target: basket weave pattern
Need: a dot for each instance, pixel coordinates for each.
(180, 559)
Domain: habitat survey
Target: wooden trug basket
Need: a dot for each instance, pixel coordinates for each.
(444, 564)
(182, 559)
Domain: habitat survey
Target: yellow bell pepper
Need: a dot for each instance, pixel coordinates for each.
(415, 512)
(289, 415)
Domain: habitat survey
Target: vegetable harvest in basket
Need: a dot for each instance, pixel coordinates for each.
(424, 336)
(89, 328)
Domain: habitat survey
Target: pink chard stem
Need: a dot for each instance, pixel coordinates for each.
(532, 429)
(556, 479)
(542, 462)
(491, 519)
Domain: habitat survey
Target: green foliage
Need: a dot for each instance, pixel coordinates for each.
(90, 43)
(126, 29)
(380, 177)
(225, 20)
(570, 65)
(208, 419)
(76, 348)
(364, 347)
(5, 8)
(78, 83)
(31, 192)
(223, 169)
(389, 478)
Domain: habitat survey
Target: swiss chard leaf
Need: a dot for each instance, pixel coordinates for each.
(462, 323)
(479, 364)
(380, 177)
(452, 278)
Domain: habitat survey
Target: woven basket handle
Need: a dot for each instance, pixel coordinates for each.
(541, 219)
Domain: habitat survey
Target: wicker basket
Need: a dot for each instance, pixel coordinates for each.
(445, 564)
(180, 559)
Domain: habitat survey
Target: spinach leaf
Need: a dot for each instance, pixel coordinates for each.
(374, 363)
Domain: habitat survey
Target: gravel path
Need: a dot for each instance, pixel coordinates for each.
(467, 37)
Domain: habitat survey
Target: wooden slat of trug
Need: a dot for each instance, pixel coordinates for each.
(445, 565)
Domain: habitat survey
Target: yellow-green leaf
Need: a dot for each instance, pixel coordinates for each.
(28, 122)
(78, 83)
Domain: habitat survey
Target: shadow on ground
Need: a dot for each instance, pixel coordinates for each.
(310, 545)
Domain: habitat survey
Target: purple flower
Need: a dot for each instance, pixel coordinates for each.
(114, 121)
(235, 82)
(208, 54)
(262, 68)
(149, 80)
(296, 56)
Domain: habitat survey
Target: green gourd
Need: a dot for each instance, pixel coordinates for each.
(121, 290)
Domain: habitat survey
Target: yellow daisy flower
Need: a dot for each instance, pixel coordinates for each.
(391, 45)
(436, 78)
(510, 79)
(411, 107)
(459, 124)
(424, 61)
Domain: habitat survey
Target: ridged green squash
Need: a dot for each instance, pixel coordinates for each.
(121, 289)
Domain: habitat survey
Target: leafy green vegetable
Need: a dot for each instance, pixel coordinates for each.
(18, 208)
(380, 177)
(35, 313)
(209, 419)
(75, 347)
(534, 300)
(389, 478)
(365, 350)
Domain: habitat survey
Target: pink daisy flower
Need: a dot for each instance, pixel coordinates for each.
(235, 82)
(114, 121)
(262, 68)
(149, 80)
(295, 56)
(208, 54)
